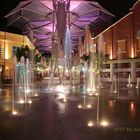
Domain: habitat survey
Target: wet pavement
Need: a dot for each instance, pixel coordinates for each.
(50, 115)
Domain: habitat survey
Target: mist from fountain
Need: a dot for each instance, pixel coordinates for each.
(91, 78)
(91, 71)
(67, 48)
(101, 52)
(22, 79)
(114, 84)
(129, 82)
(27, 75)
(138, 83)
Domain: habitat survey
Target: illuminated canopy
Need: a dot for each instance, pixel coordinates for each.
(35, 19)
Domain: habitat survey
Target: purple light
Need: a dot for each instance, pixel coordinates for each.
(74, 4)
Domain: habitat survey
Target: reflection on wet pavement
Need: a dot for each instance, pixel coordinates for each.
(51, 115)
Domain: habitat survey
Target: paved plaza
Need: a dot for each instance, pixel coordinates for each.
(77, 115)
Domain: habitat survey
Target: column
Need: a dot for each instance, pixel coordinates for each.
(133, 72)
(111, 71)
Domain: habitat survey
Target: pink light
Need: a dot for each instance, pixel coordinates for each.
(47, 3)
(49, 27)
(75, 4)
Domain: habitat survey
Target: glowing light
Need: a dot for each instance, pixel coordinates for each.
(36, 95)
(89, 106)
(84, 69)
(60, 88)
(90, 94)
(61, 96)
(79, 106)
(104, 123)
(6, 50)
(6, 68)
(90, 124)
(14, 112)
(111, 57)
(132, 52)
(132, 107)
(67, 48)
(96, 94)
(111, 103)
(65, 100)
(66, 71)
(21, 101)
(27, 90)
(30, 101)
(59, 67)
(74, 4)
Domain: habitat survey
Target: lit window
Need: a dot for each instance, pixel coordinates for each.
(121, 44)
(1, 52)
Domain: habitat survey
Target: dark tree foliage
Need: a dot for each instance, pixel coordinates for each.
(22, 51)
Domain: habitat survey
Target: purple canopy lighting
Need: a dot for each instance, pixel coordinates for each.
(36, 18)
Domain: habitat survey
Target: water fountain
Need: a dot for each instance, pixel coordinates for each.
(138, 83)
(91, 78)
(114, 84)
(27, 76)
(22, 62)
(129, 85)
(50, 81)
(22, 79)
(101, 52)
(67, 48)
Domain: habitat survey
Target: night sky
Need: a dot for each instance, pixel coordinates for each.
(117, 7)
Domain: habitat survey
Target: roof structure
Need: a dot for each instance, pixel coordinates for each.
(35, 19)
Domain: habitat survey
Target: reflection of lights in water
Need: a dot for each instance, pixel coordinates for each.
(27, 91)
(104, 123)
(84, 87)
(89, 90)
(14, 112)
(51, 89)
(79, 106)
(89, 106)
(60, 88)
(61, 107)
(36, 95)
(132, 107)
(73, 86)
(61, 96)
(90, 94)
(21, 101)
(111, 103)
(96, 94)
(65, 100)
(29, 101)
(84, 107)
(90, 124)
(93, 94)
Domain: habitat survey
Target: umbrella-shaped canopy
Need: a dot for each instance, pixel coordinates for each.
(35, 19)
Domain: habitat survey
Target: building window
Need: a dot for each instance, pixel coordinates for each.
(121, 45)
(138, 44)
(14, 50)
(1, 52)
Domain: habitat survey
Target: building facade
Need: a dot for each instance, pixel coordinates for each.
(122, 47)
(9, 43)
